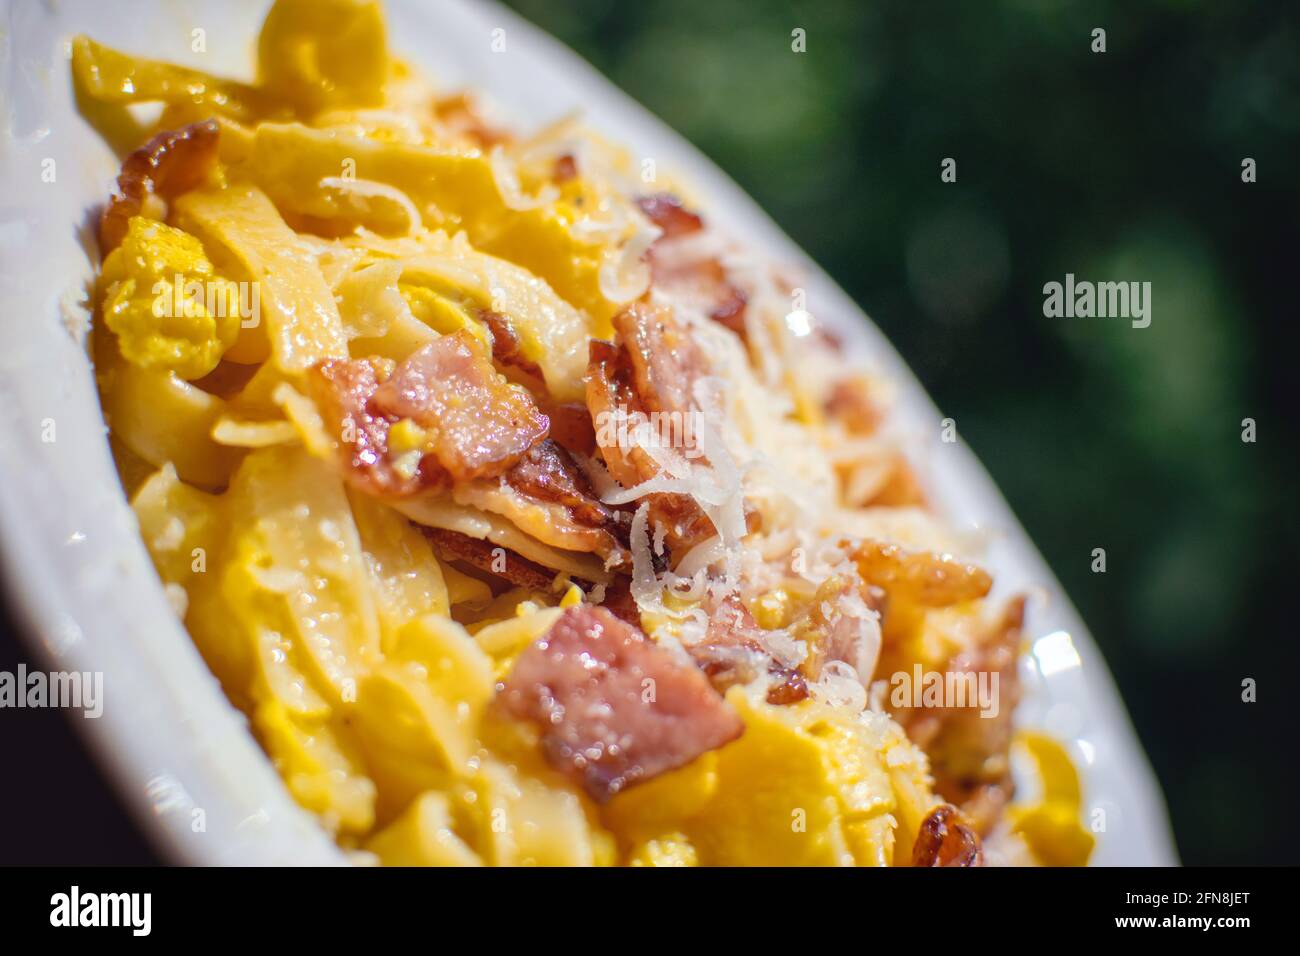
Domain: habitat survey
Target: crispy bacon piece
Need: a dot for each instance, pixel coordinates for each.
(565, 169)
(944, 840)
(729, 309)
(969, 753)
(851, 404)
(702, 278)
(171, 163)
(731, 654)
(832, 634)
(479, 424)
(490, 558)
(482, 425)
(665, 360)
(704, 281)
(343, 391)
(828, 338)
(570, 421)
(924, 578)
(549, 498)
(614, 708)
(653, 372)
(547, 474)
(609, 391)
(571, 426)
(684, 524)
(790, 687)
(901, 490)
(667, 212)
(506, 347)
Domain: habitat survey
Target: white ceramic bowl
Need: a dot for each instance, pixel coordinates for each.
(78, 575)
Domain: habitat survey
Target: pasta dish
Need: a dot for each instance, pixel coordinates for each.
(527, 517)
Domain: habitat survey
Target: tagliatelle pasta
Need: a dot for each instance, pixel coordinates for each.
(528, 519)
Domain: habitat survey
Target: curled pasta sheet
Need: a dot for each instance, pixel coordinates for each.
(362, 279)
(455, 190)
(302, 321)
(166, 420)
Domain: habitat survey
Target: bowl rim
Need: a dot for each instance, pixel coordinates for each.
(168, 739)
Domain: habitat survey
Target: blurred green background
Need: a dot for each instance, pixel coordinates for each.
(1122, 166)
